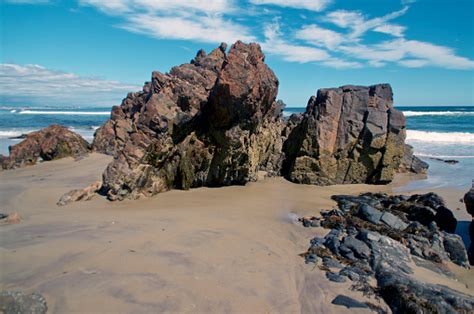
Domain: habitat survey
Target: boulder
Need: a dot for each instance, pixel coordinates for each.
(50, 143)
(350, 134)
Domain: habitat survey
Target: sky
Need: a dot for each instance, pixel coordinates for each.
(93, 52)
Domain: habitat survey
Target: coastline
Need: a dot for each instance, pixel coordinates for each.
(232, 249)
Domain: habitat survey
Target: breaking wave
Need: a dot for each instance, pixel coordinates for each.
(440, 137)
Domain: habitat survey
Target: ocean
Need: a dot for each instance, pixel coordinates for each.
(445, 132)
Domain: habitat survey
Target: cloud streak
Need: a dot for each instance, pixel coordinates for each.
(36, 83)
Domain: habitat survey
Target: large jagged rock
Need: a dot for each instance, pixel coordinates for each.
(212, 122)
(350, 134)
(50, 143)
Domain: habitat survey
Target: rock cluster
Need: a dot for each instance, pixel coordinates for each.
(380, 236)
(215, 121)
(50, 143)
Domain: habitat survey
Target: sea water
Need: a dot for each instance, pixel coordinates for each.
(445, 132)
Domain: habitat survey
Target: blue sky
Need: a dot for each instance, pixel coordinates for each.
(92, 52)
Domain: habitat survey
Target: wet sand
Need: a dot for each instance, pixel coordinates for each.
(232, 249)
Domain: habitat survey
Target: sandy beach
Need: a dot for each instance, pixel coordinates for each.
(233, 249)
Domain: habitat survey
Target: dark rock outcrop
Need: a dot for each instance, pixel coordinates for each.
(363, 247)
(350, 134)
(50, 143)
(211, 122)
(469, 202)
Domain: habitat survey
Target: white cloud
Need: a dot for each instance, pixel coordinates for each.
(320, 36)
(312, 5)
(359, 25)
(274, 44)
(342, 64)
(207, 29)
(161, 6)
(391, 29)
(177, 19)
(34, 82)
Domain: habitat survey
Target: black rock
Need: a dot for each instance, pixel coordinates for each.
(369, 213)
(422, 214)
(456, 250)
(393, 221)
(358, 248)
(445, 219)
(331, 263)
(335, 277)
(348, 302)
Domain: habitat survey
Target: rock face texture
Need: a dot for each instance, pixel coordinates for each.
(215, 122)
(350, 134)
(50, 143)
(211, 122)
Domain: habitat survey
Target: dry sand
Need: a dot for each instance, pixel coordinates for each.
(232, 249)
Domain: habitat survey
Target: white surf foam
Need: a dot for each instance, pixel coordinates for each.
(91, 113)
(13, 133)
(440, 137)
(437, 113)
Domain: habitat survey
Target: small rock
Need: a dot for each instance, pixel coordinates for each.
(393, 221)
(359, 248)
(369, 213)
(12, 218)
(311, 258)
(456, 250)
(348, 302)
(331, 263)
(335, 277)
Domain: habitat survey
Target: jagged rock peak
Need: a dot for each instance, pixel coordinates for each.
(211, 122)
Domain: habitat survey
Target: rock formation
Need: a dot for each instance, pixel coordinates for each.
(350, 134)
(50, 143)
(215, 122)
(211, 122)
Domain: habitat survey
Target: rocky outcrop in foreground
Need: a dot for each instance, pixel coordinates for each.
(215, 122)
(379, 236)
(50, 143)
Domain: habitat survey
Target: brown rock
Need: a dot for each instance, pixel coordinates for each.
(350, 134)
(12, 218)
(53, 142)
(81, 194)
